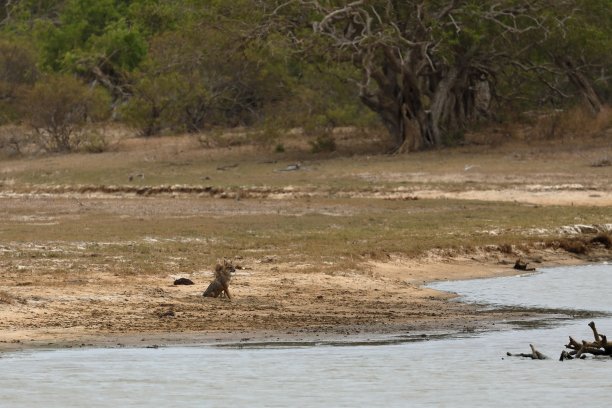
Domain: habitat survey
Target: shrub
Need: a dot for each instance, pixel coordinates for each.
(323, 143)
(93, 141)
(574, 123)
(154, 104)
(58, 107)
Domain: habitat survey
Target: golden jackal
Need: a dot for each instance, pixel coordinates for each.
(223, 275)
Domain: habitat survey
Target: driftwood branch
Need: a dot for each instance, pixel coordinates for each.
(577, 349)
(599, 347)
(534, 355)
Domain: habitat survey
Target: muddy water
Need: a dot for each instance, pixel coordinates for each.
(459, 372)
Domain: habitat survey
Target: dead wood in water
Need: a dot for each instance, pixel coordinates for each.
(577, 349)
(534, 355)
(599, 347)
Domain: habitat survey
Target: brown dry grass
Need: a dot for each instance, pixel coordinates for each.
(581, 245)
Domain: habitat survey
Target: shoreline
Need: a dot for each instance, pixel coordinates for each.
(456, 318)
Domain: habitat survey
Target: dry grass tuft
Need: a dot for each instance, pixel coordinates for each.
(581, 245)
(577, 122)
(573, 245)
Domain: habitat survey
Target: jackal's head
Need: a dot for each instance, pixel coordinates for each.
(225, 267)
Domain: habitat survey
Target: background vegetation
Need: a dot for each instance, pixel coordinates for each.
(424, 71)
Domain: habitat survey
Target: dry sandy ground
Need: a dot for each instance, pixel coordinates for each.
(273, 300)
(270, 302)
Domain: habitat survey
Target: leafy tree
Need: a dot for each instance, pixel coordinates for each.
(17, 71)
(206, 73)
(430, 68)
(21, 16)
(58, 107)
(581, 49)
(150, 107)
(425, 69)
(95, 39)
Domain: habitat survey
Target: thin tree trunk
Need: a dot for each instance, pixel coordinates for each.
(582, 83)
(440, 106)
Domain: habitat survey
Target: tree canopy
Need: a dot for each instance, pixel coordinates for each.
(426, 70)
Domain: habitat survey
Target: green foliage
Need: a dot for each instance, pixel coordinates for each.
(218, 78)
(17, 72)
(93, 38)
(58, 107)
(153, 17)
(193, 65)
(153, 105)
(21, 16)
(587, 39)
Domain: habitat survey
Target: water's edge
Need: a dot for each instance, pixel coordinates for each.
(535, 318)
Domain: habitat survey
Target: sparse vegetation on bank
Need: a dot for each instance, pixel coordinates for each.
(343, 243)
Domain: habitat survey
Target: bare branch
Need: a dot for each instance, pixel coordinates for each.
(446, 10)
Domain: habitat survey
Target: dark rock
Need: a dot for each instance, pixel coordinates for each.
(183, 281)
(522, 266)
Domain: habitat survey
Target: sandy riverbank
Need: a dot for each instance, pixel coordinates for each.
(272, 302)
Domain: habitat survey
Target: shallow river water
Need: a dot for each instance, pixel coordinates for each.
(455, 372)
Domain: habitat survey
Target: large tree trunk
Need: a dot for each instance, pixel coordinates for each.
(418, 112)
(398, 102)
(409, 128)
